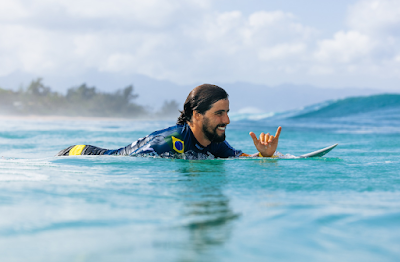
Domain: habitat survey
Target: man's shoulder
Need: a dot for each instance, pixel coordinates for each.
(170, 130)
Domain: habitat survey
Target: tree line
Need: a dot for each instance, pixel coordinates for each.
(38, 99)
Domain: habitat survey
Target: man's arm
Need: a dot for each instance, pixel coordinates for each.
(266, 144)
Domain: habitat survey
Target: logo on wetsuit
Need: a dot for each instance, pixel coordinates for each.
(178, 145)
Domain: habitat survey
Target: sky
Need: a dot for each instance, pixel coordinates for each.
(353, 43)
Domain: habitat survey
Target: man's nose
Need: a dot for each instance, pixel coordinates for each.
(226, 119)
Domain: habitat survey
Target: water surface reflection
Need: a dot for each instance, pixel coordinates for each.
(207, 214)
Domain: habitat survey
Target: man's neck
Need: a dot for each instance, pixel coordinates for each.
(199, 134)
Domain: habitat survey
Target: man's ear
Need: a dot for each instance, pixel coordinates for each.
(196, 115)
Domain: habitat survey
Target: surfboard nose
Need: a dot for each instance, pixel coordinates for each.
(320, 152)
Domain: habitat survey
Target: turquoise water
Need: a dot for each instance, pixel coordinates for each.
(342, 207)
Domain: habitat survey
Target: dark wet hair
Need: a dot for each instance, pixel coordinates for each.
(201, 99)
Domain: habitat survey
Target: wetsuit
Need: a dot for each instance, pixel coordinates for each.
(175, 142)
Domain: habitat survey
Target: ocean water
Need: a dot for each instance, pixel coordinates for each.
(344, 206)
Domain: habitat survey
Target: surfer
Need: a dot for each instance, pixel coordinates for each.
(199, 133)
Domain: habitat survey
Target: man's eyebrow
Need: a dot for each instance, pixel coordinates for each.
(220, 111)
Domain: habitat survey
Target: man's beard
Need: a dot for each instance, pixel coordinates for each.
(212, 136)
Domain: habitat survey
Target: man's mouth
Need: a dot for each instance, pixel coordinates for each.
(222, 127)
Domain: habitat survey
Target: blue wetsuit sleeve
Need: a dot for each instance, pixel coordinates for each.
(149, 145)
(224, 150)
(129, 149)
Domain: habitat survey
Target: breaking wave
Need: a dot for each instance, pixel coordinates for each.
(369, 114)
(385, 106)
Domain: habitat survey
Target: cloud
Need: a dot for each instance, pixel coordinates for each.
(175, 40)
(370, 46)
(244, 46)
(12, 11)
(190, 41)
(345, 47)
(375, 17)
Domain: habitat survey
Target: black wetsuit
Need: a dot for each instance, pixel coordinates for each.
(176, 141)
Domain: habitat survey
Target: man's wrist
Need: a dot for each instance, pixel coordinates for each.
(261, 155)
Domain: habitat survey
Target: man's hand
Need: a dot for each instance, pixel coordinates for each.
(267, 143)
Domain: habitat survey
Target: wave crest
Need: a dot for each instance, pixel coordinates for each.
(354, 106)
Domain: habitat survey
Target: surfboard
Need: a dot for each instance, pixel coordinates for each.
(319, 153)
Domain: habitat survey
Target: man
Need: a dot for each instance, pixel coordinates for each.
(199, 133)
